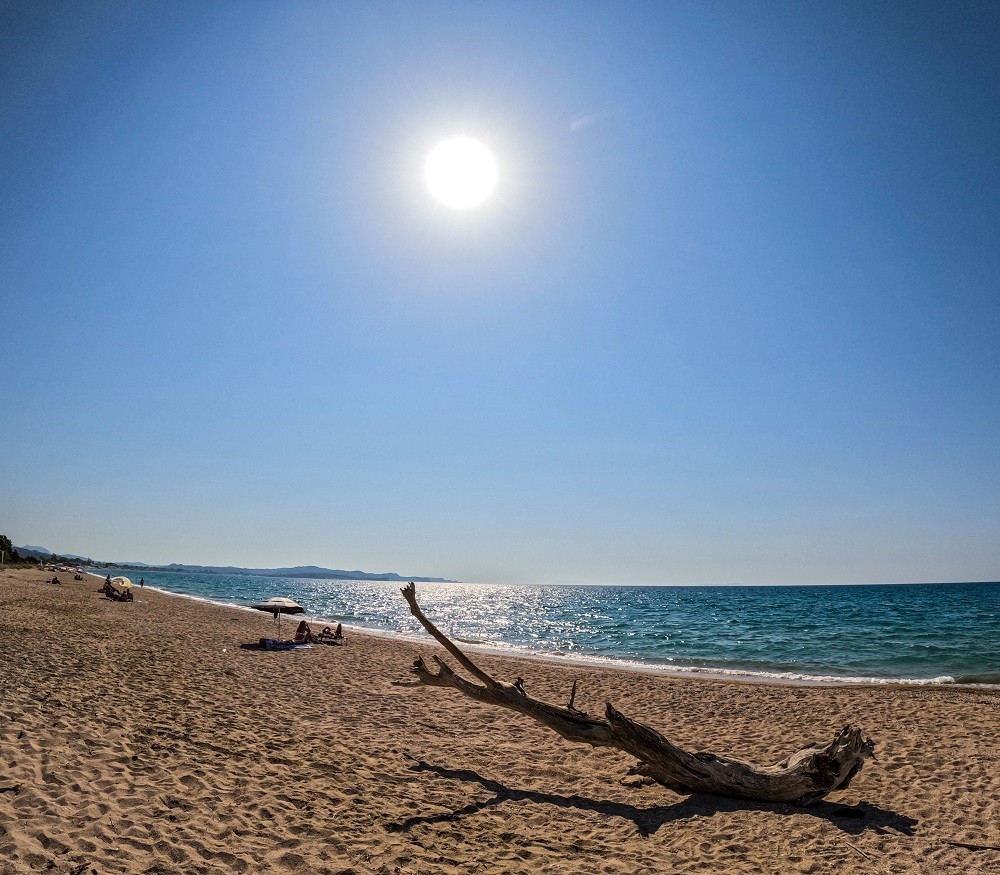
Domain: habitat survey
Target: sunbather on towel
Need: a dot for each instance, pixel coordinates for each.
(303, 635)
(326, 636)
(275, 644)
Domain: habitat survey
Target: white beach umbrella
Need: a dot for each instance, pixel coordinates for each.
(121, 583)
(278, 606)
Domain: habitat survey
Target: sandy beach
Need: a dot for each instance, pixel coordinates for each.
(141, 738)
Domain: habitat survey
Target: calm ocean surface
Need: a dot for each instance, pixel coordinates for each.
(930, 633)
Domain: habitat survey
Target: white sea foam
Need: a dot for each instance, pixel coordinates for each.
(744, 675)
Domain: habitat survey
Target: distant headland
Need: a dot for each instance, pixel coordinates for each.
(41, 554)
(294, 571)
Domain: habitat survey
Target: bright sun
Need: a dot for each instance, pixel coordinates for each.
(461, 172)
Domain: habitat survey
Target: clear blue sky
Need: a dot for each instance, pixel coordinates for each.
(731, 317)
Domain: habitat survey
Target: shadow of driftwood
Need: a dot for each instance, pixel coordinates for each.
(851, 819)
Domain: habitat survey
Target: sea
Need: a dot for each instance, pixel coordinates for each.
(929, 633)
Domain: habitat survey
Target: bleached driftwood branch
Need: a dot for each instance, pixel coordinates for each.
(803, 778)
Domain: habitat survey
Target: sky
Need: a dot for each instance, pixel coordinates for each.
(730, 317)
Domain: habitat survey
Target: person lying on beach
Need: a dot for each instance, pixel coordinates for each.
(326, 636)
(275, 644)
(303, 635)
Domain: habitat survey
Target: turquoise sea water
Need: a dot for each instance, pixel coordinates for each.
(929, 633)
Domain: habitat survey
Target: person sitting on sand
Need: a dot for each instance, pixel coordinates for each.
(327, 636)
(303, 635)
(118, 595)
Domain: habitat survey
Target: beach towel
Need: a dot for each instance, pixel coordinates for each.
(275, 644)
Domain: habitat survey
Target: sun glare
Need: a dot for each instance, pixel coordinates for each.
(461, 172)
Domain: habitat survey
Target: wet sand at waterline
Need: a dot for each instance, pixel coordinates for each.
(141, 738)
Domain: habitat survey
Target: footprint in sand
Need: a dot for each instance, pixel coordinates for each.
(191, 782)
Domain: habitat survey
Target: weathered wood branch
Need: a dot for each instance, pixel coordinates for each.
(805, 777)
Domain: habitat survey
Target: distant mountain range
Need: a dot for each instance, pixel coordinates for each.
(295, 571)
(44, 553)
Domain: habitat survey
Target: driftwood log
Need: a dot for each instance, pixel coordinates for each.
(803, 778)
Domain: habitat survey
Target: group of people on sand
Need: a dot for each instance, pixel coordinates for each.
(115, 594)
(305, 635)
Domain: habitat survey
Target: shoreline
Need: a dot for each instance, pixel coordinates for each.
(144, 737)
(620, 664)
(596, 663)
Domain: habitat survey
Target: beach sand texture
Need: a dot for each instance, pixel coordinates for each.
(141, 738)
